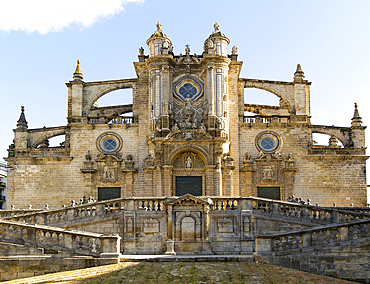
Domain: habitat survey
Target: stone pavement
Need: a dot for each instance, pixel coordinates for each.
(182, 269)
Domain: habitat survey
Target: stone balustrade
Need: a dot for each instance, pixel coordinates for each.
(322, 236)
(273, 208)
(314, 214)
(266, 119)
(111, 120)
(77, 242)
(6, 213)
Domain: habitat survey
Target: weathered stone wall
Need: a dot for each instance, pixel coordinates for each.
(22, 267)
(332, 176)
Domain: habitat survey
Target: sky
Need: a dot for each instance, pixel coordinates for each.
(41, 40)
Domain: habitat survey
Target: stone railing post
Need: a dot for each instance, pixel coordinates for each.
(245, 204)
(306, 213)
(110, 246)
(70, 214)
(130, 205)
(100, 209)
(275, 209)
(68, 240)
(343, 234)
(264, 245)
(42, 218)
(336, 217)
(31, 235)
(306, 240)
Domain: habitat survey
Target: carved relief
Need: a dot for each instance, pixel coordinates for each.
(151, 226)
(109, 173)
(225, 225)
(268, 172)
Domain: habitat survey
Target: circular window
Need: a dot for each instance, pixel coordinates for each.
(109, 143)
(188, 87)
(268, 142)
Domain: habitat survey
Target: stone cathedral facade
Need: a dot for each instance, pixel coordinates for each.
(187, 132)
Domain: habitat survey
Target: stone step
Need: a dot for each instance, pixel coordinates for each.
(188, 258)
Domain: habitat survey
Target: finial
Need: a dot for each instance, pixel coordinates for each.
(234, 50)
(356, 119)
(187, 49)
(299, 74)
(216, 26)
(78, 75)
(22, 123)
(159, 27)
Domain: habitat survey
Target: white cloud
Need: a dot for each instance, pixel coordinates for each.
(45, 16)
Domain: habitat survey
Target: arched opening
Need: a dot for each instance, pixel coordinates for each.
(53, 142)
(261, 102)
(113, 108)
(115, 98)
(325, 140)
(260, 97)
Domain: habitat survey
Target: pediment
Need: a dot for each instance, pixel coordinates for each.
(189, 199)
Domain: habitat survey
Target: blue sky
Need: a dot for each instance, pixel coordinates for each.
(40, 43)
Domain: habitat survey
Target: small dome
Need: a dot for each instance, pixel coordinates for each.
(159, 41)
(217, 42)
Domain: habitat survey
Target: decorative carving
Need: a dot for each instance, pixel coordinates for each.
(190, 134)
(268, 172)
(225, 225)
(151, 226)
(109, 173)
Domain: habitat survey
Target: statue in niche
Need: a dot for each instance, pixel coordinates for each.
(188, 162)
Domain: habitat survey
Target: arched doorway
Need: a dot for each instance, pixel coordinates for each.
(188, 174)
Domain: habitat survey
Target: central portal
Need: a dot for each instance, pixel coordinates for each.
(192, 185)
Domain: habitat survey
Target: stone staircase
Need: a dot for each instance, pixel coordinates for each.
(305, 237)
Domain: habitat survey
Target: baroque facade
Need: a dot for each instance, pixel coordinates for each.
(188, 133)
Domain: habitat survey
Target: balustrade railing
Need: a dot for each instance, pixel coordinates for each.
(111, 120)
(266, 119)
(5, 213)
(225, 203)
(150, 204)
(273, 208)
(83, 243)
(323, 236)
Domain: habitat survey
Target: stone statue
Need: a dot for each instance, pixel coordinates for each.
(210, 43)
(188, 162)
(217, 27)
(187, 50)
(234, 50)
(141, 51)
(159, 27)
